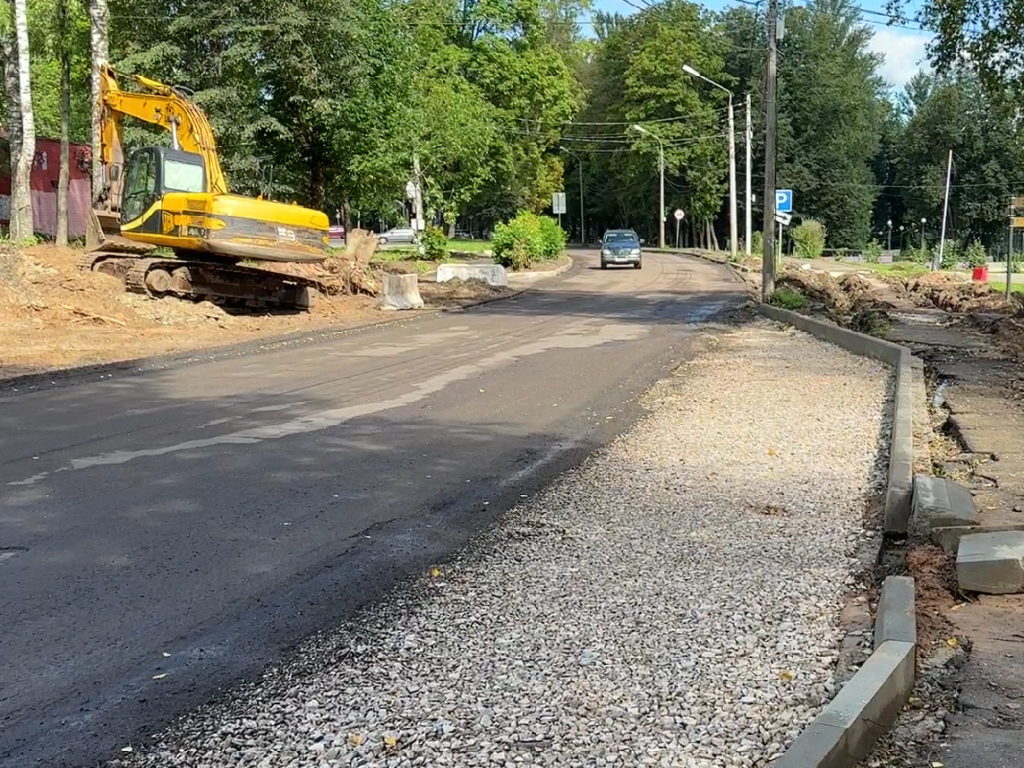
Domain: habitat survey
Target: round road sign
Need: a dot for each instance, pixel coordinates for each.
(679, 214)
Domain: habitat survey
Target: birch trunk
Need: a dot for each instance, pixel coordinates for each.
(64, 174)
(99, 17)
(21, 191)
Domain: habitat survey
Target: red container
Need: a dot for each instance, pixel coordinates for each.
(980, 275)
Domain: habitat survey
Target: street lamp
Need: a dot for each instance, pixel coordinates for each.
(732, 158)
(579, 162)
(661, 170)
(888, 226)
(923, 221)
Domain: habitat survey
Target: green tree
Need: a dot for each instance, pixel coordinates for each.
(830, 115)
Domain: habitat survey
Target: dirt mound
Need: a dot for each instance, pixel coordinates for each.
(55, 315)
(346, 273)
(842, 299)
(457, 292)
(954, 293)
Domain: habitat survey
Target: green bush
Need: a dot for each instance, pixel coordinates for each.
(527, 238)
(952, 255)
(757, 244)
(435, 244)
(789, 299)
(916, 255)
(975, 255)
(873, 252)
(808, 239)
(553, 237)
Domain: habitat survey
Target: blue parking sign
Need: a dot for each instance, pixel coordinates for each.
(784, 200)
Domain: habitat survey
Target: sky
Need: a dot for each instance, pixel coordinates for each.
(903, 48)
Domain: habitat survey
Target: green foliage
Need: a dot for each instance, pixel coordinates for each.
(830, 117)
(527, 238)
(808, 239)
(975, 255)
(552, 236)
(435, 244)
(757, 244)
(873, 252)
(952, 255)
(788, 298)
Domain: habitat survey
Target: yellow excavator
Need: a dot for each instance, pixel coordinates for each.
(177, 197)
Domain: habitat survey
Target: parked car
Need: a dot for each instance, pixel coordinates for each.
(398, 235)
(621, 246)
(336, 236)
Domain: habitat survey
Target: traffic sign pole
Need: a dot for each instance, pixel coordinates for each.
(679, 214)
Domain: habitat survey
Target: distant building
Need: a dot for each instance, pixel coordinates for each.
(45, 170)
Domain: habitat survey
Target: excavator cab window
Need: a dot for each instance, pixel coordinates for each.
(184, 174)
(140, 184)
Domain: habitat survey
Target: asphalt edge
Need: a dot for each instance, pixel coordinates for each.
(36, 380)
(849, 726)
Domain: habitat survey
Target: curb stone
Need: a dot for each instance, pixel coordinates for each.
(848, 727)
(541, 275)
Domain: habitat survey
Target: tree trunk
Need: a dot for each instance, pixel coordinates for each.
(714, 235)
(64, 175)
(99, 18)
(22, 226)
(10, 54)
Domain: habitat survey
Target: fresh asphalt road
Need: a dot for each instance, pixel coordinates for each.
(222, 510)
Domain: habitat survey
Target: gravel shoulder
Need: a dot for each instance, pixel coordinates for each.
(673, 601)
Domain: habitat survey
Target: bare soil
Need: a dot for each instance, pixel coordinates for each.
(55, 316)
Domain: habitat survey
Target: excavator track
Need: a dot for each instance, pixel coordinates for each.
(200, 280)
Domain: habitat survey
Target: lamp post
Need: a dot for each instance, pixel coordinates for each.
(579, 162)
(923, 221)
(732, 157)
(661, 170)
(888, 226)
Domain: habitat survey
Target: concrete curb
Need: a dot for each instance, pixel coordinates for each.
(846, 730)
(531, 276)
(901, 444)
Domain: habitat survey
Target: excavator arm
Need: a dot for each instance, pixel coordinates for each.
(161, 105)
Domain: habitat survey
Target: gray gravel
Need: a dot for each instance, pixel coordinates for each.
(673, 602)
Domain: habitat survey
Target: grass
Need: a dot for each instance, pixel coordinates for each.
(787, 298)
(1016, 285)
(472, 246)
(897, 268)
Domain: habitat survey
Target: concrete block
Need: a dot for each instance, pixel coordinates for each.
(949, 537)
(992, 563)
(895, 618)
(402, 292)
(492, 274)
(938, 502)
(847, 729)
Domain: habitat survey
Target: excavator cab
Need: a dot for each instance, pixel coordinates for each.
(152, 172)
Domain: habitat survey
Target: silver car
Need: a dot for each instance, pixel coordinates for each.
(398, 235)
(621, 246)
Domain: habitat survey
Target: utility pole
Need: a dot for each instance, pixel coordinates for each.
(1009, 247)
(733, 233)
(768, 225)
(418, 194)
(937, 261)
(749, 204)
(579, 163)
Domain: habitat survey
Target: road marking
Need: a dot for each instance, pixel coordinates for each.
(581, 335)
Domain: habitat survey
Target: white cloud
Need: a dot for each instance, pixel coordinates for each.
(904, 52)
